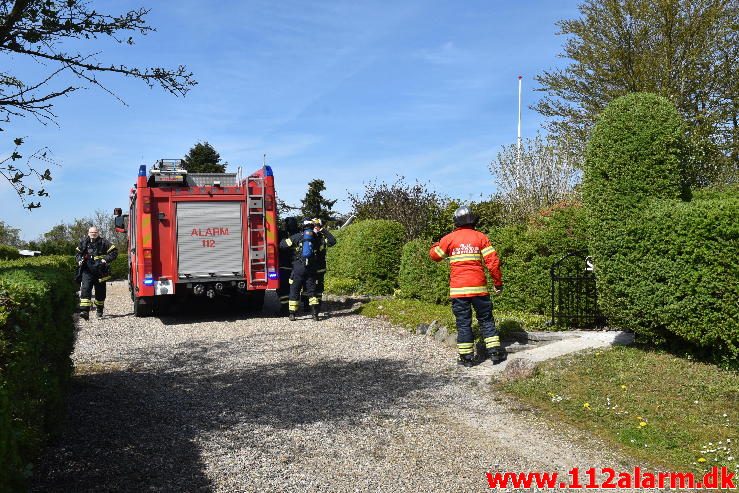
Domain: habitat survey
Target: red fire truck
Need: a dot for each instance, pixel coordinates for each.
(200, 234)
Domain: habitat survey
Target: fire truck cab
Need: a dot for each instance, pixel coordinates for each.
(200, 234)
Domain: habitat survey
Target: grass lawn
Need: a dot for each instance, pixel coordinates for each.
(411, 313)
(668, 411)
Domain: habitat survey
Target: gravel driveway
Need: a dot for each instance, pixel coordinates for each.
(204, 402)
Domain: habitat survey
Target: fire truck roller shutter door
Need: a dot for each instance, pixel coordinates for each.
(209, 239)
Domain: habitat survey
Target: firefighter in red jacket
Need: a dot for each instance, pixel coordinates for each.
(469, 252)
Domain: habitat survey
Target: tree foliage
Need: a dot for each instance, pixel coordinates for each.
(315, 204)
(57, 34)
(9, 235)
(542, 174)
(421, 211)
(203, 158)
(684, 50)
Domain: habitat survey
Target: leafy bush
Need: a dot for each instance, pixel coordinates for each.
(677, 278)
(636, 152)
(369, 253)
(37, 299)
(665, 267)
(119, 267)
(420, 277)
(8, 252)
(341, 285)
(417, 208)
(527, 253)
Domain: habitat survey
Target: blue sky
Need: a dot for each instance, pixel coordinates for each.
(342, 91)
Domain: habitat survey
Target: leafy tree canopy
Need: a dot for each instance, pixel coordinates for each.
(203, 158)
(58, 35)
(9, 235)
(684, 50)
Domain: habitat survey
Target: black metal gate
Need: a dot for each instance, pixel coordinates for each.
(574, 296)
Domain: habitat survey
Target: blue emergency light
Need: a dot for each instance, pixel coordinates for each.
(273, 275)
(148, 281)
(268, 171)
(142, 170)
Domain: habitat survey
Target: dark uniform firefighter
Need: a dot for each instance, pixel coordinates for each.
(94, 255)
(469, 253)
(287, 255)
(305, 245)
(325, 240)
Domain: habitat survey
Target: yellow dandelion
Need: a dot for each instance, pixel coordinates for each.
(702, 460)
(623, 387)
(586, 405)
(642, 424)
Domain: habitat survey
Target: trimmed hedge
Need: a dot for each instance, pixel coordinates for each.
(666, 267)
(526, 251)
(676, 281)
(119, 267)
(8, 252)
(37, 300)
(366, 255)
(420, 277)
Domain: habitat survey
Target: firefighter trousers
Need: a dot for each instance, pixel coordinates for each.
(89, 282)
(283, 290)
(320, 276)
(462, 309)
(300, 279)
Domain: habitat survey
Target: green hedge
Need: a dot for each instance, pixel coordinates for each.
(37, 300)
(420, 277)
(367, 255)
(8, 252)
(526, 251)
(666, 266)
(676, 279)
(119, 267)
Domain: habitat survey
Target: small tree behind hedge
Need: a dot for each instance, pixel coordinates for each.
(367, 256)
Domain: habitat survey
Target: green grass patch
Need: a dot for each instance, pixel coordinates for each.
(664, 410)
(411, 313)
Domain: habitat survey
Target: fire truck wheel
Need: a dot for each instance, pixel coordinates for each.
(254, 301)
(142, 307)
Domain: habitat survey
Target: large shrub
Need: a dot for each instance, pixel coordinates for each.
(367, 254)
(635, 153)
(8, 252)
(119, 267)
(420, 277)
(527, 253)
(37, 299)
(666, 267)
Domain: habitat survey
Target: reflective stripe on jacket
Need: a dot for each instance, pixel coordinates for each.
(469, 252)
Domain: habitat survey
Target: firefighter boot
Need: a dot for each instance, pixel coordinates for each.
(291, 316)
(497, 355)
(85, 314)
(100, 312)
(314, 312)
(466, 360)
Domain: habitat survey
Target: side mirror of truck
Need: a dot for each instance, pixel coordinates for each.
(118, 220)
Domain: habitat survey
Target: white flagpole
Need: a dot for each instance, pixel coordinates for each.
(518, 154)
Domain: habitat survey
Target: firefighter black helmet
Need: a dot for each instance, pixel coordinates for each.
(463, 216)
